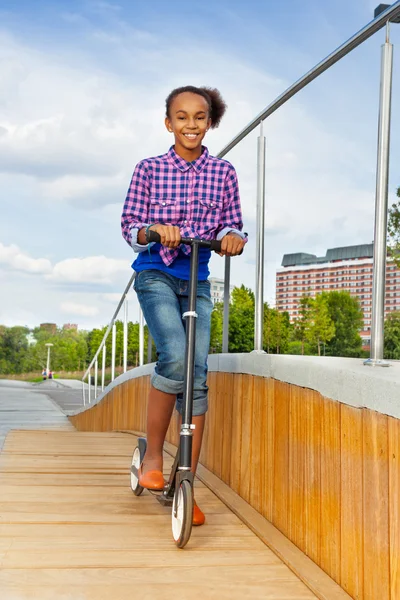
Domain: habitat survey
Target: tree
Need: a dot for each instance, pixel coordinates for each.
(303, 323)
(277, 330)
(321, 328)
(217, 319)
(348, 319)
(394, 230)
(241, 320)
(392, 336)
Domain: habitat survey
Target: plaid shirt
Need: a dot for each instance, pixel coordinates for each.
(201, 198)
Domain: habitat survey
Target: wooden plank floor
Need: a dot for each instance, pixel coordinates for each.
(71, 529)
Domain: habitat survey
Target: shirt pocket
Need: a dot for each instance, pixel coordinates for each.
(163, 209)
(208, 208)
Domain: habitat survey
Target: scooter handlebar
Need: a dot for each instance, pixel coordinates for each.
(153, 236)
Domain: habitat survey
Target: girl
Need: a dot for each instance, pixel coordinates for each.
(185, 192)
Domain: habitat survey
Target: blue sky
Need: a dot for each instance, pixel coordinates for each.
(82, 89)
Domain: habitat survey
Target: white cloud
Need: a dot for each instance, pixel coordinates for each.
(12, 257)
(92, 269)
(81, 310)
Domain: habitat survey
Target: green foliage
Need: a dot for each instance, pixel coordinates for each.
(216, 328)
(241, 320)
(321, 327)
(303, 323)
(347, 317)
(392, 336)
(277, 330)
(394, 230)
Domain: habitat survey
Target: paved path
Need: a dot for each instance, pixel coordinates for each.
(29, 406)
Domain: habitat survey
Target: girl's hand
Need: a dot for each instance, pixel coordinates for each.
(231, 244)
(170, 235)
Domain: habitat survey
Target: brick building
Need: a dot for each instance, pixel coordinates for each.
(342, 269)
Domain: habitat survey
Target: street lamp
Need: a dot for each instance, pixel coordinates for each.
(48, 357)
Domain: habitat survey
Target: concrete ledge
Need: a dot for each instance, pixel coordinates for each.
(345, 380)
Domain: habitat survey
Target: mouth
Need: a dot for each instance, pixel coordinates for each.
(191, 136)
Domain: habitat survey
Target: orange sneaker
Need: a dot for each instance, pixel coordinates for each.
(152, 480)
(198, 515)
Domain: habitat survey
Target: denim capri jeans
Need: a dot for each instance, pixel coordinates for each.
(163, 299)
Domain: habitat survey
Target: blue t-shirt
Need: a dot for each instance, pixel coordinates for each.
(180, 268)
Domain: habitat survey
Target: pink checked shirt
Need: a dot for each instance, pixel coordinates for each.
(201, 198)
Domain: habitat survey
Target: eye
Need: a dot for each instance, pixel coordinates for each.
(201, 118)
(181, 118)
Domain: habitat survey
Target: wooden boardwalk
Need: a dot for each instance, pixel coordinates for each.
(71, 529)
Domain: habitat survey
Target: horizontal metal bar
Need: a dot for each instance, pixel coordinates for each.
(103, 341)
(391, 13)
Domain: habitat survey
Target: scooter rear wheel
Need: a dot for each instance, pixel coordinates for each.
(136, 488)
(182, 514)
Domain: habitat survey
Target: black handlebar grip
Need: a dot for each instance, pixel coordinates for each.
(152, 236)
(215, 245)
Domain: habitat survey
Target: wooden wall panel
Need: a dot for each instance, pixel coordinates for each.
(352, 570)
(268, 430)
(376, 509)
(312, 475)
(325, 474)
(280, 515)
(394, 506)
(257, 461)
(246, 442)
(296, 479)
(226, 425)
(236, 443)
(330, 488)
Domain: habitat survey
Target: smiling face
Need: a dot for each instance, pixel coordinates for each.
(188, 120)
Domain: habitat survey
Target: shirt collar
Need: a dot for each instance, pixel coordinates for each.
(183, 165)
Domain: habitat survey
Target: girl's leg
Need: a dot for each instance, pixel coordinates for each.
(199, 422)
(159, 410)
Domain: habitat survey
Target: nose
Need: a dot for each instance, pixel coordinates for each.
(192, 123)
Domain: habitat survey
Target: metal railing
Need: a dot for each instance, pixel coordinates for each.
(391, 13)
(102, 348)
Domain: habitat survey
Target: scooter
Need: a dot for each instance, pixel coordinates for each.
(178, 491)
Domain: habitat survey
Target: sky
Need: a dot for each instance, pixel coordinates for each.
(82, 99)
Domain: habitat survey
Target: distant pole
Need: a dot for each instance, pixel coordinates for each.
(381, 208)
(48, 357)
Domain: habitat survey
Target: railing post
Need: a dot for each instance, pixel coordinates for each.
(141, 338)
(103, 367)
(227, 293)
(149, 347)
(381, 208)
(83, 393)
(95, 378)
(89, 386)
(125, 334)
(259, 296)
(113, 341)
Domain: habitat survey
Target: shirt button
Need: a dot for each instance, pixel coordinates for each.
(163, 203)
(185, 222)
(187, 201)
(211, 204)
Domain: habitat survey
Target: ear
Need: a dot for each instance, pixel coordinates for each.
(209, 122)
(168, 124)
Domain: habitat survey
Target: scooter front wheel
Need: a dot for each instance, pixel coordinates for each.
(182, 514)
(136, 488)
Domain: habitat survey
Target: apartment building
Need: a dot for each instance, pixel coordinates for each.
(217, 289)
(348, 268)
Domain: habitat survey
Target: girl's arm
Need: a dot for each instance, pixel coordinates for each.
(134, 216)
(231, 215)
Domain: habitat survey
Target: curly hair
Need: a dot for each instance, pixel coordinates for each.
(216, 103)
